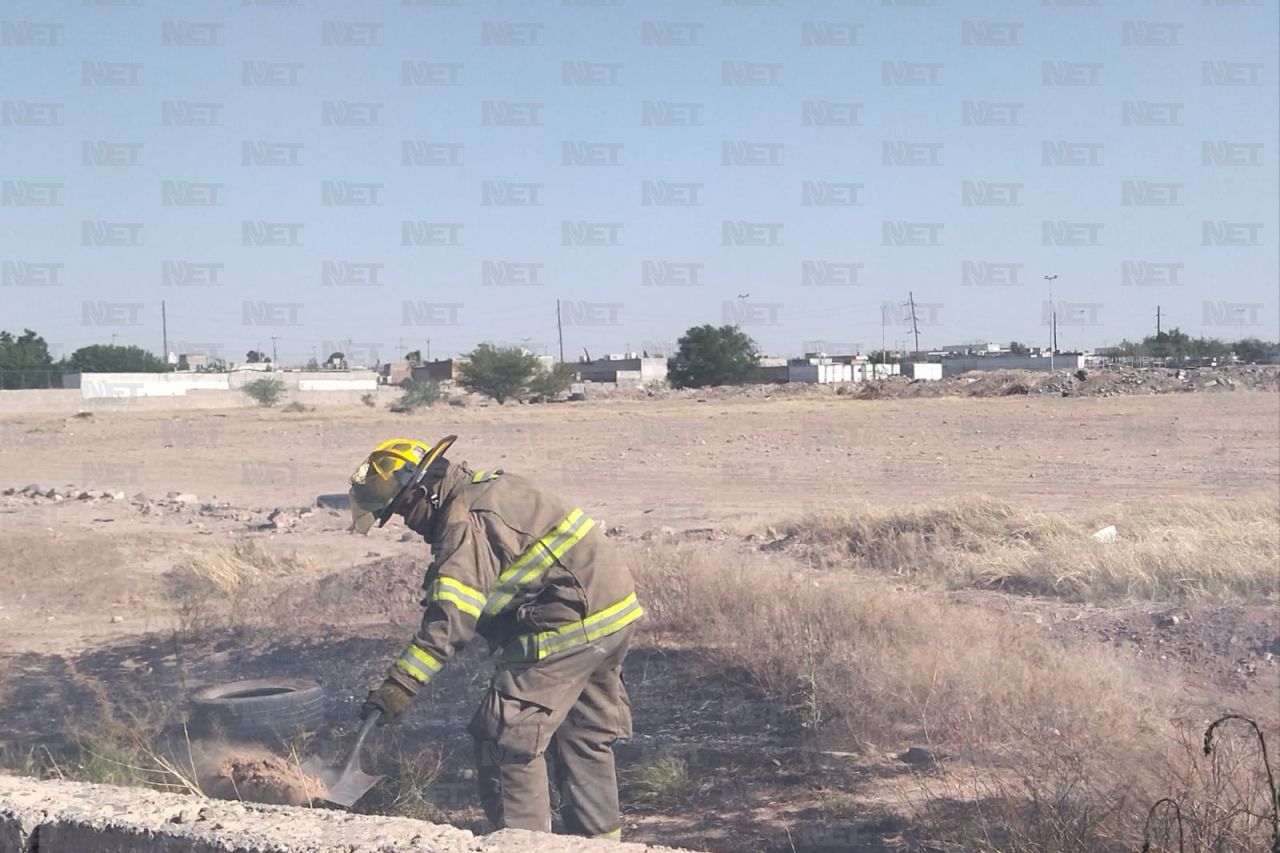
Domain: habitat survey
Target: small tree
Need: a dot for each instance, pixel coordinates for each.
(255, 357)
(1018, 348)
(108, 358)
(554, 382)
(498, 372)
(706, 355)
(266, 391)
(882, 356)
(25, 361)
(418, 393)
(413, 356)
(1254, 350)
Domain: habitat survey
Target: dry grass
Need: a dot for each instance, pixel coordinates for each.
(222, 588)
(1047, 747)
(1165, 550)
(879, 664)
(130, 739)
(658, 781)
(221, 572)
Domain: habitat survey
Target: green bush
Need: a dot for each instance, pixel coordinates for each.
(554, 382)
(266, 391)
(417, 393)
(498, 372)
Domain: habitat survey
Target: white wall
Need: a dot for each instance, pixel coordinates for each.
(114, 386)
(820, 373)
(954, 366)
(98, 386)
(923, 370)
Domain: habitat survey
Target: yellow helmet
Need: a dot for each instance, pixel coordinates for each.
(394, 466)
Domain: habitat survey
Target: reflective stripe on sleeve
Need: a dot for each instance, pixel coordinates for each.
(418, 664)
(535, 561)
(484, 475)
(467, 599)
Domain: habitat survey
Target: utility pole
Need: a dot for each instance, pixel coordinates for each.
(883, 312)
(428, 349)
(274, 359)
(560, 331)
(911, 297)
(1053, 320)
(164, 333)
(1157, 321)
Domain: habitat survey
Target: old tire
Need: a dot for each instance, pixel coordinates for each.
(257, 709)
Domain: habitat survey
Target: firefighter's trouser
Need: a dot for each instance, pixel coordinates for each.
(573, 704)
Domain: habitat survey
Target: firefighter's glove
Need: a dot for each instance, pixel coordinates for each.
(391, 698)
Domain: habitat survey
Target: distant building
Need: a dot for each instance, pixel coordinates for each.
(972, 348)
(441, 370)
(193, 361)
(395, 372)
(820, 369)
(624, 370)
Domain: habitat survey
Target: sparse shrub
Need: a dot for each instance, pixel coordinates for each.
(417, 394)
(295, 407)
(660, 780)
(551, 383)
(266, 391)
(368, 400)
(412, 786)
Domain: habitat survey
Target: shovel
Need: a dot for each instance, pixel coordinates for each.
(345, 783)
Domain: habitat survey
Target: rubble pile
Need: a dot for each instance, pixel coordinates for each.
(1093, 382)
(175, 506)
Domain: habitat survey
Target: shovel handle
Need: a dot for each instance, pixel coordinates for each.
(353, 760)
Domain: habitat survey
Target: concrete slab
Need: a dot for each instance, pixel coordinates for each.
(74, 817)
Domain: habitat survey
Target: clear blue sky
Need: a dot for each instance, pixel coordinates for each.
(1073, 79)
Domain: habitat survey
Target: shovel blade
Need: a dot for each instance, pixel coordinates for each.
(340, 788)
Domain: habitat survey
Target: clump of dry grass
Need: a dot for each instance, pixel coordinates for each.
(661, 780)
(242, 564)
(1171, 549)
(218, 588)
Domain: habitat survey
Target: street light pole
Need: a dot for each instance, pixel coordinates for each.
(1053, 320)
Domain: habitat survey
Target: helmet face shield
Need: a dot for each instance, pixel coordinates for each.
(390, 470)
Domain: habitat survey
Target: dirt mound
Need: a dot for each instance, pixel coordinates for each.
(387, 590)
(255, 775)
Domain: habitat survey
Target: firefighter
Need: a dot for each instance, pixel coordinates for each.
(538, 580)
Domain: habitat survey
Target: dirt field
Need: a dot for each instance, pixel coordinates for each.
(84, 623)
